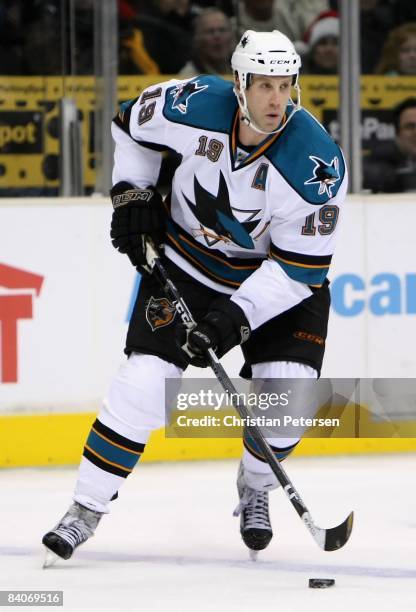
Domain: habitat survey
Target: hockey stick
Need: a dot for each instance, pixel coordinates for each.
(328, 539)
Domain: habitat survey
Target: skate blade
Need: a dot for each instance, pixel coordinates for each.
(253, 554)
(50, 558)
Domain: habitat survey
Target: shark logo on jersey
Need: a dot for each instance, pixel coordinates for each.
(159, 312)
(218, 218)
(324, 174)
(182, 93)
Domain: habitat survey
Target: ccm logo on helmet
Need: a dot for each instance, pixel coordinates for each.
(279, 62)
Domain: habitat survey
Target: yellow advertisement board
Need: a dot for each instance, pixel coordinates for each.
(29, 118)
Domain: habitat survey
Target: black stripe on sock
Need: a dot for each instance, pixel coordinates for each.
(112, 436)
(103, 465)
(288, 449)
(259, 455)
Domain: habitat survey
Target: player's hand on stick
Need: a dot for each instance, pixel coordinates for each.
(223, 327)
(137, 213)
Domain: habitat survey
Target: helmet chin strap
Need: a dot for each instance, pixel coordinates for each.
(242, 103)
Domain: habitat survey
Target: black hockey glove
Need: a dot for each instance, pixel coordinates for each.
(137, 213)
(223, 327)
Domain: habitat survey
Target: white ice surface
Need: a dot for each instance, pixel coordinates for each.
(172, 544)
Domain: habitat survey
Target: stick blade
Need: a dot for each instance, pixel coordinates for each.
(336, 537)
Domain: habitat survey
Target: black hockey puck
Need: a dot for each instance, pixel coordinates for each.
(321, 583)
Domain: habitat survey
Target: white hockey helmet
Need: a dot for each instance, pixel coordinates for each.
(267, 53)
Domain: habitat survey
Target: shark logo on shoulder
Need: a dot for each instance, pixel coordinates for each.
(324, 174)
(182, 93)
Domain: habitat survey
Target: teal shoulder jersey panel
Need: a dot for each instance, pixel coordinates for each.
(308, 159)
(205, 102)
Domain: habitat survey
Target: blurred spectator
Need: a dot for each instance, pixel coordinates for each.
(292, 17)
(127, 9)
(322, 38)
(212, 44)
(399, 52)
(226, 6)
(158, 40)
(133, 56)
(405, 10)
(11, 37)
(48, 35)
(43, 39)
(392, 166)
(376, 20)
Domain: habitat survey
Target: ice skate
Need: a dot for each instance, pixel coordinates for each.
(76, 526)
(255, 527)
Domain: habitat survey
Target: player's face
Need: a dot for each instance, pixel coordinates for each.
(267, 98)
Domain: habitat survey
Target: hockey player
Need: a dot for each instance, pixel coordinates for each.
(248, 233)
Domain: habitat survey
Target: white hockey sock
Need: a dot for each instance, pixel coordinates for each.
(135, 406)
(259, 473)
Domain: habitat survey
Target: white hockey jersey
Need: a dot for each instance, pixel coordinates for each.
(259, 224)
